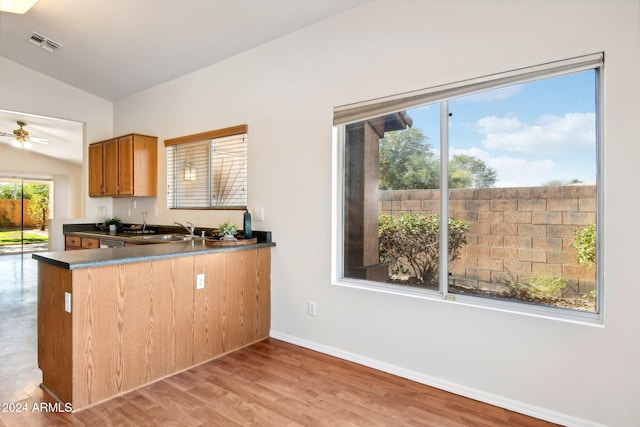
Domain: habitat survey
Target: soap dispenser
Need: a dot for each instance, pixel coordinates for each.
(247, 225)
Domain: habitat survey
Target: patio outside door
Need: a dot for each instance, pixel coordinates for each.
(24, 214)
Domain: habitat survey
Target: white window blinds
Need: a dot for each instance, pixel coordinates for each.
(208, 170)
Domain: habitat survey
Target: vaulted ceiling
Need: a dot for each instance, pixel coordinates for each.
(116, 48)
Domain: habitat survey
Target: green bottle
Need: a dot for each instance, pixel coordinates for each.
(247, 224)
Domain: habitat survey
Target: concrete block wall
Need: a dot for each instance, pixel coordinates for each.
(519, 232)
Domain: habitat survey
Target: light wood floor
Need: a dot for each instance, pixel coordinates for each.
(271, 383)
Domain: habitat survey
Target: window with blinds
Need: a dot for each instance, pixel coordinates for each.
(208, 170)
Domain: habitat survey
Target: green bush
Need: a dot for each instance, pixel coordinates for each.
(585, 243)
(38, 210)
(410, 243)
(543, 286)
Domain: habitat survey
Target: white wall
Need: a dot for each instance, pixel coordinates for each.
(66, 177)
(286, 90)
(25, 90)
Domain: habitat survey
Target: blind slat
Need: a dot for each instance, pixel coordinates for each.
(220, 169)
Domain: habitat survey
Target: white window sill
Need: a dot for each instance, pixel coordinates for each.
(512, 307)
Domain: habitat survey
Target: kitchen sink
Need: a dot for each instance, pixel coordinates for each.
(165, 237)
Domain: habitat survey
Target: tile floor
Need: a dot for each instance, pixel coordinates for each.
(19, 371)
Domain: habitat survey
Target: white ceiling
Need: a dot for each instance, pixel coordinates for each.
(116, 48)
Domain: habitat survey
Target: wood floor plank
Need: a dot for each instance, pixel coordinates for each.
(273, 383)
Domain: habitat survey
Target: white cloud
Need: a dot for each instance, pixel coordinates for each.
(517, 172)
(492, 95)
(523, 172)
(492, 125)
(550, 134)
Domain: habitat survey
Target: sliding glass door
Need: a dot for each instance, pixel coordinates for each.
(24, 213)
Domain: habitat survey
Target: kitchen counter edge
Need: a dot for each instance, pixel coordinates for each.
(89, 258)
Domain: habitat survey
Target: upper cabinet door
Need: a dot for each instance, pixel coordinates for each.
(110, 166)
(95, 170)
(125, 151)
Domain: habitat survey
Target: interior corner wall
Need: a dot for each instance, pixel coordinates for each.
(28, 91)
(286, 90)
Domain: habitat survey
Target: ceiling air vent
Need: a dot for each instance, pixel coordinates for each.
(43, 42)
(37, 39)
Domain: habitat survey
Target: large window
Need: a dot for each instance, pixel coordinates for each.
(520, 205)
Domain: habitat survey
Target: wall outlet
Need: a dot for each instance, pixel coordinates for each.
(200, 281)
(311, 308)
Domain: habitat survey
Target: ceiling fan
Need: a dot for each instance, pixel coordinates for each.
(20, 138)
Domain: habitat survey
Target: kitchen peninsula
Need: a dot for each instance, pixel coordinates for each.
(113, 320)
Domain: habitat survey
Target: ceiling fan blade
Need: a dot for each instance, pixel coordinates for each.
(6, 134)
(43, 141)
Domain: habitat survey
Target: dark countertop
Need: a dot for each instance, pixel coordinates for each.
(88, 258)
(143, 251)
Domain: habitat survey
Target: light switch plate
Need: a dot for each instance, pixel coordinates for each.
(200, 281)
(258, 214)
(67, 302)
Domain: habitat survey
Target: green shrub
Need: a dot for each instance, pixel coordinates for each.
(543, 286)
(38, 209)
(585, 243)
(410, 243)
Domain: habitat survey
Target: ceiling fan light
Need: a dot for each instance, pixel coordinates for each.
(16, 143)
(27, 144)
(16, 6)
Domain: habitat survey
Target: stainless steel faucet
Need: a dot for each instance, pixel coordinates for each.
(189, 229)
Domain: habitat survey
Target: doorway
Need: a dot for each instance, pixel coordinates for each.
(25, 207)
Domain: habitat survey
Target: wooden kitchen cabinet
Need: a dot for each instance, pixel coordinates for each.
(90, 243)
(124, 166)
(96, 162)
(130, 324)
(72, 243)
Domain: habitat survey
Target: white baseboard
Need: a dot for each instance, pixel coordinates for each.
(491, 399)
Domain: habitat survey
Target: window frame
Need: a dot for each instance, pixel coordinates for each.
(353, 113)
(209, 138)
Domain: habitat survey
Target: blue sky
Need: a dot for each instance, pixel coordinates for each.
(529, 133)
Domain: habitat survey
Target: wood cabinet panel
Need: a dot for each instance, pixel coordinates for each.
(96, 177)
(110, 167)
(96, 321)
(263, 295)
(134, 323)
(145, 165)
(90, 243)
(72, 243)
(125, 163)
(124, 166)
(228, 311)
(208, 305)
(54, 330)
